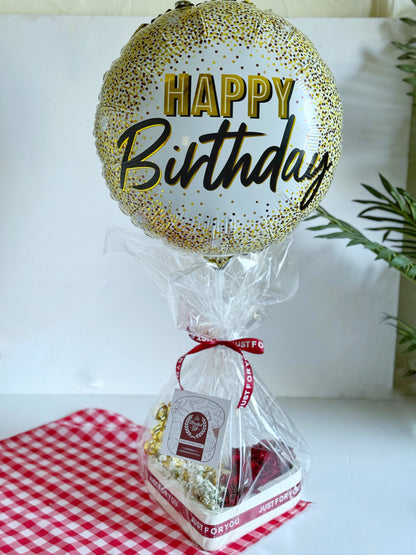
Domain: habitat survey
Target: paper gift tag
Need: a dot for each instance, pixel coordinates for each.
(195, 427)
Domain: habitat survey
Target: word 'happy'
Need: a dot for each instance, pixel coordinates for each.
(258, 89)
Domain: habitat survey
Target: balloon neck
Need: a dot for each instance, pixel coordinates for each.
(219, 262)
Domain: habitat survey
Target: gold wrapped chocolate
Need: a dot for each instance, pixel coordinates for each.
(152, 447)
(162, 411)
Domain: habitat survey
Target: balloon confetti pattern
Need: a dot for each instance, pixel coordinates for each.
(219, 128)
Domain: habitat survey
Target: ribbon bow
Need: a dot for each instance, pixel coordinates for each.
(247, 344)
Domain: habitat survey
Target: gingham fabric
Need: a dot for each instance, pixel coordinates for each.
(72, 486)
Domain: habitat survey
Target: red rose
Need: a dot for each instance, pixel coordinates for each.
(268, 462)
(232, 493)
(253, 468)
(239, 481)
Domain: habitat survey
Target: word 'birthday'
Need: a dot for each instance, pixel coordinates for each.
(179, 100)
(276, 162)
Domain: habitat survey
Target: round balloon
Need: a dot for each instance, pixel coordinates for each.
(219, 127)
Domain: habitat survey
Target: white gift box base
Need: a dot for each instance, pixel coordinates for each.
(211, 530)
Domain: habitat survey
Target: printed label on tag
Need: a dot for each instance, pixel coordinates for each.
(195, 427)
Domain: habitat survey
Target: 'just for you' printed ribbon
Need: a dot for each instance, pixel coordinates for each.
(246, 344)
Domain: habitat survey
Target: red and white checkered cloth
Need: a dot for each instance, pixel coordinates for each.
(72, 486)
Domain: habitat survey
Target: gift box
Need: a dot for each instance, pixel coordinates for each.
(215, 506)
(216, 502)
(212, 529)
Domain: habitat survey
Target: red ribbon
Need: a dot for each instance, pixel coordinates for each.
(247, 344)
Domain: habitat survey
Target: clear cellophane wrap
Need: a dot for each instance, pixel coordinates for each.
(220, 301)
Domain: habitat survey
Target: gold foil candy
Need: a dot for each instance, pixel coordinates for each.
(211, 475)
(157, 430)
(162, 412)
(151, 448)
(178, 462)
(158, 436)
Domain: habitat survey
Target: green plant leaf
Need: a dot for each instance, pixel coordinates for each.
(398, 208)
(404, 47)
(408, 55)
(396, 260)
(408, 20)
(393, 192)
(405, 331)
(411, 203)
(402, 230)
(409, 68)
(364, 214)
(406, 242)
(375, 192)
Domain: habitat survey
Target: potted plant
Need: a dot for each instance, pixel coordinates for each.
(392, 212)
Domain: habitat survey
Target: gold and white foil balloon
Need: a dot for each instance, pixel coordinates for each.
(219, 127)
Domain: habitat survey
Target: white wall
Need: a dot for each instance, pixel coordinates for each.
(286, 8)
(75, 321)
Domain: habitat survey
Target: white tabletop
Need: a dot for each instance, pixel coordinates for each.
(362, 481)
